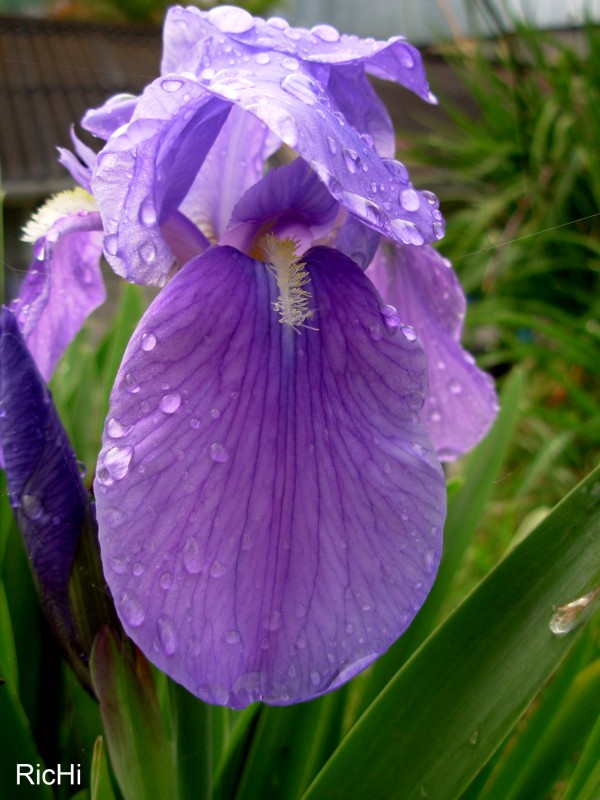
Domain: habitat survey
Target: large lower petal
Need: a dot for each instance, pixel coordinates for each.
(461, 402)
(62, 288)
(270, 506)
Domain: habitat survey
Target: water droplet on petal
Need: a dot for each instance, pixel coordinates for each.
(218, 453)
(431, 198)
(409, 333)
(138, 569)
(263, 58)
(429, 560)
(302, 87)
(215, 413)
(409, 200)
(170, 403)
(167, 635)
(391, 318)
(351, 159)
(147, 213)
(232, 637)
(454, 387)
(327, 33)
(171, 85)
(194, 423)
(166, 580)
(31, 506)
(116, 462)
(147, 252)
(290, 63)
(217, 569)
(331, 143)
(116, 430)
(132, 610)
(407, 232)
(396, 169)
(192, 556)
(229, 19)
(315, 678)
(111, 244)
(148, 342)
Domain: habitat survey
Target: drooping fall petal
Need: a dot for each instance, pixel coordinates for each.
(62, 287)
(461, 402)
(270, 506)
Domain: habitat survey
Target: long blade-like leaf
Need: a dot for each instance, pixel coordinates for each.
(446, 712)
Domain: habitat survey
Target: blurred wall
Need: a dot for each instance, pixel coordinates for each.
(426, 21)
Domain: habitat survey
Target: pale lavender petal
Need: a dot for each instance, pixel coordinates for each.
(62, 288)
(235, 162)
(146, 169)
(369, 116)
(395, 59)
(270, 507)
(116, 112)
(357, 241)
(184, 238)
(296, 107)
(461, 402)
(80, 164)
(287, 78)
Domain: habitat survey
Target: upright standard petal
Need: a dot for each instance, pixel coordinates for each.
(270, 506)
(63, 286)
(234, 164)
(394, 60)
(145, 171)
(50, 503)
(461, 402)
(290, 201)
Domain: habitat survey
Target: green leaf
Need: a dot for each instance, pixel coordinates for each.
(100, 785)
(140, 752)
(446, 712)
(8, 652)
(17, 747)
(193, 726)
(289, 746)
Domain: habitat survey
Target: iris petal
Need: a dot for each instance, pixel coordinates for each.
(223, 178)
(461, 402)
(270, 506)
(62, 288)
(48, 497)
(146, 170)
(395, 60)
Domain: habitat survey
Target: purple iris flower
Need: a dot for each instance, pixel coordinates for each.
(269, 492)
(270, 506)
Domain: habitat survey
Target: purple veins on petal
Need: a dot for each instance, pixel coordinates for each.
(274, 530)
(461, 401)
